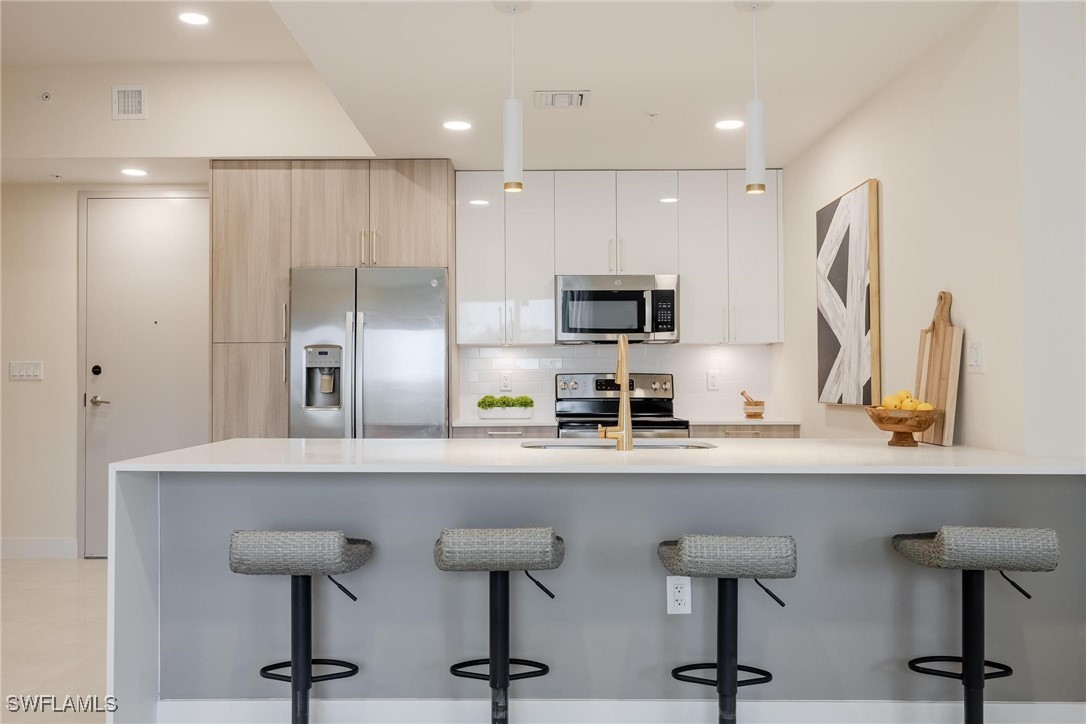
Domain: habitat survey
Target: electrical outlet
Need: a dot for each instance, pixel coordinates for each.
(505, 382)
(712, 380)
(975, 358)
(678, 594)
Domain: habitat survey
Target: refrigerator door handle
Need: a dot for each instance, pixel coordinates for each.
(347, 375)
(360, 337)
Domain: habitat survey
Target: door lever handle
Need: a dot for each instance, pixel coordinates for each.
(96, 401)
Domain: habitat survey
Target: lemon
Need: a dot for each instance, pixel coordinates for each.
(925, 406)
(891, 402)
(904, 395)
(909, 404)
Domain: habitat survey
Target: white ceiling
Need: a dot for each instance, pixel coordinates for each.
(104, 170)
(401, 69)
(61, 33)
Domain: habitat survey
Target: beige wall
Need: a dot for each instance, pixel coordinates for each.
(197, 110)
(38, 259)
(943, 141)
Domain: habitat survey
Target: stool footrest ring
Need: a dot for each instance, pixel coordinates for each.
(764, 677)
(540, 669)
(1001, 670)
(351, 670)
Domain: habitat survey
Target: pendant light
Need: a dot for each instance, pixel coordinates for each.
(755, 123)
(513, 136)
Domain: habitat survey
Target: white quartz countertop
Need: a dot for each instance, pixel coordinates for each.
(729, 456)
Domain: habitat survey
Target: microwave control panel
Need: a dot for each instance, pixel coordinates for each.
(663, 310)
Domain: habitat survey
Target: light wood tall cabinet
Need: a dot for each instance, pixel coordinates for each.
(250, 250)
(249, 390)
(410, 213)
(330, 217)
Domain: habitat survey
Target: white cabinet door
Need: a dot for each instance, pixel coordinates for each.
(584, 222)
(703, 257)
(753, 261)
(648, 222)
(529, 261)
(480, 258)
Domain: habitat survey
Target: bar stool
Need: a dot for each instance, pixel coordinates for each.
(300, 555)
(973, 551)
(498, 551)
(728, 558)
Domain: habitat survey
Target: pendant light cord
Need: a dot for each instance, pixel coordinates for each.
(512, 47)
(754, 33)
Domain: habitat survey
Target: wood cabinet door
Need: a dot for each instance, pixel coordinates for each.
(753, 261)
(647, 215)
(703, 257)
(249, 391)
(529, 261)
(409, 213)
(480, 258)
(250, 250)
(330, 218)
(584, 222)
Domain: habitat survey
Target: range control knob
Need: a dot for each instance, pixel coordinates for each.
(655, 385)
(573, 385)
(562, 384)
(667, 386)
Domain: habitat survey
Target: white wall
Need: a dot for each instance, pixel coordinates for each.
(202, 110)
(39, 282)
(943, 140)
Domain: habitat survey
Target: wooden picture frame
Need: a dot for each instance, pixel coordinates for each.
(847, 298)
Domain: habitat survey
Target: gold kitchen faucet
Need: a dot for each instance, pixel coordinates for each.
(622, 433)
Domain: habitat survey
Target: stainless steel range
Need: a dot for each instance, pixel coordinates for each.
(585, 401)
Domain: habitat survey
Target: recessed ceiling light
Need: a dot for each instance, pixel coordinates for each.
(193, 18)
(457, 125)
(729, 125)
(479, 202)
(669, 200)
(133, 172)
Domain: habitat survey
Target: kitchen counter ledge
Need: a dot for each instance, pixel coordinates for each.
(730, 456)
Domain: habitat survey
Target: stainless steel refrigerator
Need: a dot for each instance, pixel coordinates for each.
(369, 352)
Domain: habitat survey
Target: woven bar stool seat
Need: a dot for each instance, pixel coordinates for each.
(974, 550)
(725, 556)
(300, 554)
(499, 551)
(964, 548)
(728, 558)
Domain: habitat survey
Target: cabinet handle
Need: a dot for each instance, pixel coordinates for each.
(742, 433)
(724, 316)
(373, 246)
(284, 321)
(284, 364)
(501, 325)
(509, 327)
(505, 433)
(621, 258)
(610, 255)
(365, 244)
(735, 322)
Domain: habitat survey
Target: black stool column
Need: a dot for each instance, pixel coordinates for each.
(301, 647)
(973, 645)
(727, 646)
(499, 647)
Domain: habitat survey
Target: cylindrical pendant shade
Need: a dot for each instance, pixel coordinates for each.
(755, 147)
(513, 143)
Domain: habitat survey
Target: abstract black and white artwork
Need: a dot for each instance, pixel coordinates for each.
(848, 298)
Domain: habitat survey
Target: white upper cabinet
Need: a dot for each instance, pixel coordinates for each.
(480, 258)
(754, 263)
(584, 222)
(703, 257)
(529, 261)
(647, 222)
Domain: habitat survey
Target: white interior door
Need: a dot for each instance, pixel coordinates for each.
(147, 332)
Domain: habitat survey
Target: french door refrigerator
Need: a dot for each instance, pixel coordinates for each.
(368, 352)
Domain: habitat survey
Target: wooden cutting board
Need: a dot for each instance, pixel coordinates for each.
(938, 367)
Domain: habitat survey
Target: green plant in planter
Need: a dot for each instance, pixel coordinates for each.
(523, 401)
(489, 402)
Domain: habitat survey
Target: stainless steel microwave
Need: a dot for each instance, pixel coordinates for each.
(598, 308)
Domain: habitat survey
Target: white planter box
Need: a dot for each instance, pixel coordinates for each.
(505, 413)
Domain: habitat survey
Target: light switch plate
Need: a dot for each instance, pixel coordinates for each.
(505, 382)
(23, 371)
(975, 357)
(678, 594)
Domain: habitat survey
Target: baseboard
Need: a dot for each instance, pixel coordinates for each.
(596, 711)
(13, 548)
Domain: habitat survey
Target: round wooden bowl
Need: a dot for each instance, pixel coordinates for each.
(903, 423)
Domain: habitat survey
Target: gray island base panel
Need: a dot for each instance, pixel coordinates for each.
(183, 627)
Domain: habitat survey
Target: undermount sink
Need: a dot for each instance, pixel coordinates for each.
(639, 444)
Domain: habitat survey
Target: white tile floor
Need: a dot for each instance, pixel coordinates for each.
(52, 634)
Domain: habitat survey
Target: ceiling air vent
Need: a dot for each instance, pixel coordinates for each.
(129, 102)
(562, 99)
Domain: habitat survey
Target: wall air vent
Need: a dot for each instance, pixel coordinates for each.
(129, 102)
(562, 99)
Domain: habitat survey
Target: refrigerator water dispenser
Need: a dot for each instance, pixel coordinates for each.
(323, 377)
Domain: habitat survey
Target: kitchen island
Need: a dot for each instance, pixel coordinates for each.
(187, 637)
